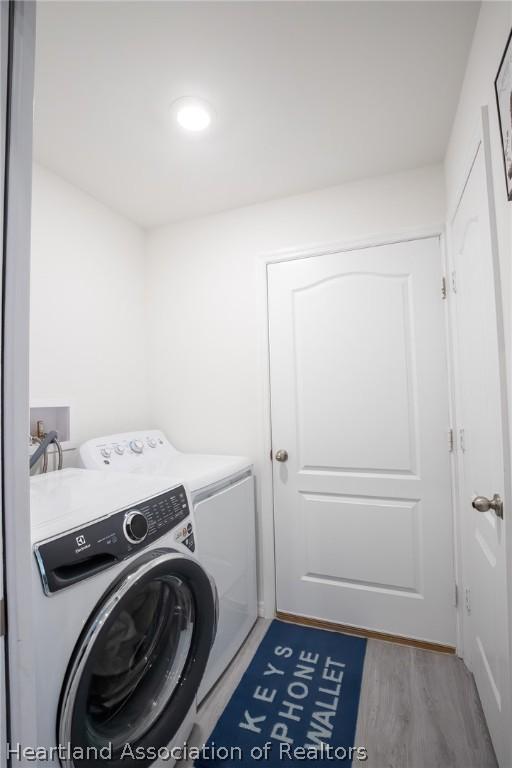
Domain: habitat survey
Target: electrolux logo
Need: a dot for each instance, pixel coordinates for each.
(81, 543)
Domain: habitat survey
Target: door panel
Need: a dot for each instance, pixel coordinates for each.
(338, 514)
(479, 416)
(360, 402)
(380, 350)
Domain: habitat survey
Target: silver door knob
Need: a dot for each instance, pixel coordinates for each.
(281, 455)
(483, 504)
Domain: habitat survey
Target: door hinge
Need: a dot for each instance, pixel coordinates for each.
(271, 455)
(456, 596)
(468, 600)
(444, 288)
(454, 281)
(462, 440)
(451, 441)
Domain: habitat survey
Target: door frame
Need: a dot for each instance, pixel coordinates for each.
(482, 142)
(268, 605)
(4, 69)
(18, 564)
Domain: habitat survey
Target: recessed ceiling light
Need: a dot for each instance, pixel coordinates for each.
(192, 114)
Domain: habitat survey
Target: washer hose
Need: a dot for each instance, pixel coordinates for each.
(42, 450)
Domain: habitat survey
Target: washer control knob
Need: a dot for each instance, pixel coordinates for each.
(119, 449)
(137, 446)
(135, 526)
(106, 452)
(151, 442)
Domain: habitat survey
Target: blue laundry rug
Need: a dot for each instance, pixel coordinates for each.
(296, 703)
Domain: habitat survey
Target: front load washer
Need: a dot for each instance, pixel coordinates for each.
(222, 490)
(125, 615)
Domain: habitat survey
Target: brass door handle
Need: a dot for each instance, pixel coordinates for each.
(483, 504)
(281, 455)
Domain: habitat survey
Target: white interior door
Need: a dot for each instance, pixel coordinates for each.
(359, 393)
(479, 416)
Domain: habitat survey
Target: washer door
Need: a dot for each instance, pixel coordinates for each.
(138, 664)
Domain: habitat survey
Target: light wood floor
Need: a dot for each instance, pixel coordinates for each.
(418, 709)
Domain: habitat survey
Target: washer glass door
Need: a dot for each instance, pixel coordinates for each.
(137, 667)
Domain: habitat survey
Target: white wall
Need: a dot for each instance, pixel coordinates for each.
(204, 299)
(491, 33)
(87, 342)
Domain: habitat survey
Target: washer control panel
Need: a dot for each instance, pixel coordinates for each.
(81, 553)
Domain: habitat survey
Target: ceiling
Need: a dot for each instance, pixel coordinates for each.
(306, 95)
